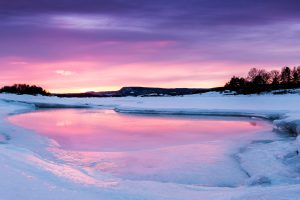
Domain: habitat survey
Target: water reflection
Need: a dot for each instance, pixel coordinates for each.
(189, 150)
(90, 130)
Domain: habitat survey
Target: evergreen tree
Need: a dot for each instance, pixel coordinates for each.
(295, 75)
(286, 76)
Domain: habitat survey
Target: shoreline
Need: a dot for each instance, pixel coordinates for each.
(279, 119)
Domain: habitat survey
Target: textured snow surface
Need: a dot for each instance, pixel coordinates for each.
(29, 172)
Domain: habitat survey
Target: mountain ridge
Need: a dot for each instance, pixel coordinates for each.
(140, 91)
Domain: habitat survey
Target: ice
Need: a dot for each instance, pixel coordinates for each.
(267, 161)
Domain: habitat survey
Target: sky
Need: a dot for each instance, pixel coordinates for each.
(98, 45)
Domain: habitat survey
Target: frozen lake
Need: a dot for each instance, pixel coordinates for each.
(177, 149)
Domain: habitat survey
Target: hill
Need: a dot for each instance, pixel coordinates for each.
(140, 91)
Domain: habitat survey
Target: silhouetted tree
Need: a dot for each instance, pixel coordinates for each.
(253, 72)
(236, 83)
(275, 77)
(24, 89)
(260, 80)
(286, 76)
(295, 75)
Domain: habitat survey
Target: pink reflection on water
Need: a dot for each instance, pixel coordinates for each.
(196, 162)
(91, 130)
(181, 149)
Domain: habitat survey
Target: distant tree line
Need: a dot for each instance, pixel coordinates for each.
(24, 89)
(260, 80)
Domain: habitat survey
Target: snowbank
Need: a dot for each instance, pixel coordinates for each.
(37, 175)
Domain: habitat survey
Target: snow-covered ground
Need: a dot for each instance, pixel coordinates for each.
(29, 171)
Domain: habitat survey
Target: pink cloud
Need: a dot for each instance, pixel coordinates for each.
(64, 72)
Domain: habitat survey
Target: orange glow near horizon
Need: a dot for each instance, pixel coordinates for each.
(82, 90)
(87, 75)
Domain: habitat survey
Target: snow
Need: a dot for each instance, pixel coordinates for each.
(31, 172)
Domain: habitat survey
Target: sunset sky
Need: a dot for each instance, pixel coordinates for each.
(84, 45)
